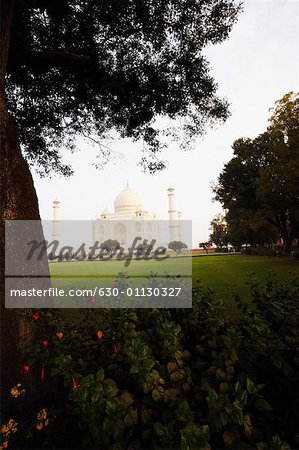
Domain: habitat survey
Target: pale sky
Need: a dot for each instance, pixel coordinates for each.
(256, 66)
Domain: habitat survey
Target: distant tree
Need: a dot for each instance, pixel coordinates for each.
(285, 118)
(246, 228)
(177, 246)
(218, 234)
(110, 245)
(143, 248)
(205, 245)
(261, 181)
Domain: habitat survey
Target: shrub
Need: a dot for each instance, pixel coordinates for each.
(262, 251)
(296, 255)
(181, 379)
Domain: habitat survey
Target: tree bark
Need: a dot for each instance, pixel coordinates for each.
(287, 234)
(288, 241)
(6, 10)
(18, 202)
(287, 231)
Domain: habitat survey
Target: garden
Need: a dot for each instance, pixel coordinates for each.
(162, 378)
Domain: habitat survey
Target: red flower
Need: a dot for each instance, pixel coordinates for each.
(114, 283)
(115, 349)
(43, 374)
(93, 300)
(100, 334)
(59, 335)
(45, 343)
(75, 385)
(26, 369)
(36, 316)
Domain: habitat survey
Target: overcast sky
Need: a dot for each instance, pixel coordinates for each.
(256, 66)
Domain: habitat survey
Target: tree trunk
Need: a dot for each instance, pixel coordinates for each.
(18, 202)
(288, 241)
(286, 232)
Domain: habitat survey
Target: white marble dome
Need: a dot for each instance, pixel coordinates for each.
(127, 201)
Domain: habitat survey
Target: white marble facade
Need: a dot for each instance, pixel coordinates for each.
(130, 220)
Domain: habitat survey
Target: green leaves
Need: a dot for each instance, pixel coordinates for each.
(231, 408)
(139, 62)
(173, 402)
(110, 388)
(275, 444)
(262, 405)
(237, 388)
(252, 388)
(259, 186)
(184, 413)
(63, 365)
(166, 431)
(212, 395)
(100, 375)
(138, 354)
(195, 437)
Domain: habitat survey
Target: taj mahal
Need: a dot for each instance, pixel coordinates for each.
(130, 219)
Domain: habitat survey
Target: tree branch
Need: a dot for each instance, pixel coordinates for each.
(6, 10)
(50, 59)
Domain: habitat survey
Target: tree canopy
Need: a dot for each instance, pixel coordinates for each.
(84, 68)
(261, 182)
(218, 234)
(177, 246)
(110, 245)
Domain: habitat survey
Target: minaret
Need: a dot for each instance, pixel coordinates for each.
(172, 215)
(180, 215)
(56, 220)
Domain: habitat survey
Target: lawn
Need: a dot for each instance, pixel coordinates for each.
(110, 268)
(220, 273)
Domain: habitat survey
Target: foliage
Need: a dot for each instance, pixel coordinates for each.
(218, 234)
(182, 379)
(205, 245)
(262, 251)
(90, 68)
(144, 249)
(296, 254)
(177, 246)
(110, 245)
(259, 185)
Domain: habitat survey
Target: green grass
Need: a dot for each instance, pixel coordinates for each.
(219, 273)
(109, 269)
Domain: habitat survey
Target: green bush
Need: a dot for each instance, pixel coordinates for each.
(296, 254)
(181, 379)
(262, 251)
